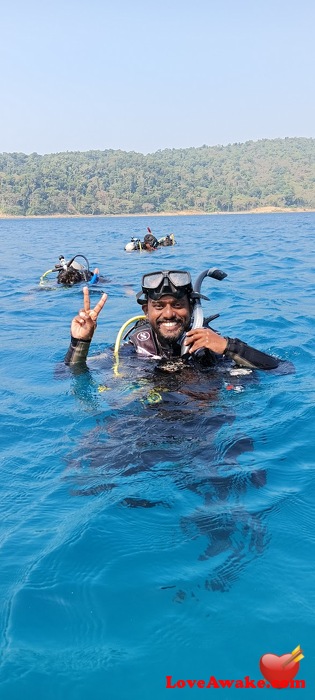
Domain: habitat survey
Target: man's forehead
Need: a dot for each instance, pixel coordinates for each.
(168, 299)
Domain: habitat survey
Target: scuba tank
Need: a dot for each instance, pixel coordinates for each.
(135, 244)
(198, 317)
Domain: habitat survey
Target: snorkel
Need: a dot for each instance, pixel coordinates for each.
(197, 315)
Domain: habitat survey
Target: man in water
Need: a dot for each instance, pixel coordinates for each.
(75, 275)
(150, 242)
(167, 240)
(184, 431)
(167, 300)
(73, 272)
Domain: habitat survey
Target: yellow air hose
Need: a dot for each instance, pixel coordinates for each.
(118, 340)
(41, 281)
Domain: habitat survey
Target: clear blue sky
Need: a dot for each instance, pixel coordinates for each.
(143, 76)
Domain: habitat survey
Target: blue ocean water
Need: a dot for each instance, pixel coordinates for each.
(141, 540)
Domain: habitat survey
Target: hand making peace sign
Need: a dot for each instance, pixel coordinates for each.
(84, 324)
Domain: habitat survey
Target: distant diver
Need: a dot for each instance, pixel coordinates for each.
(150, 242)
(72, 272)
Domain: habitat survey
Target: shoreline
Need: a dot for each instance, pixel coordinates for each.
(260, 210)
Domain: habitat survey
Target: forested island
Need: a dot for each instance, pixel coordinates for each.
(278, 173)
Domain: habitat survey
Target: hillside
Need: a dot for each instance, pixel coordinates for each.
(239, 177)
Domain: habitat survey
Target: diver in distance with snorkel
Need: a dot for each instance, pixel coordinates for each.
(173, 326)
(71, 272)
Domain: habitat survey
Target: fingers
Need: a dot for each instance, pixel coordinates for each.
(81, 318)
(85, 317)
(86, 299)
(82, 328)
(98, 308)
(194, 335)
(93, 314)
(195, 331)
(196, 344)
(206, 338)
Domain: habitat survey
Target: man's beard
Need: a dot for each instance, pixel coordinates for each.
(170, 340)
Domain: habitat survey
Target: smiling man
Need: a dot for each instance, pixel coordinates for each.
(168, 317)
(168, 301)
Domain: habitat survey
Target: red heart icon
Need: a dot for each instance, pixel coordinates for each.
(277, 670)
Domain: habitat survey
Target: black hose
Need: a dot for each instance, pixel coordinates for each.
(79, 255)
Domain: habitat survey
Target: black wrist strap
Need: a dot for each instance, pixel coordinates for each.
(233, 347)
(76, 341)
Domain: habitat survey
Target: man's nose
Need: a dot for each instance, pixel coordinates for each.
(169, 312)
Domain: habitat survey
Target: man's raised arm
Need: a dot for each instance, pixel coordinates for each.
(82, 329)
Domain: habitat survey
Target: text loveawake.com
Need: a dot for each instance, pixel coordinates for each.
(247, 682)
(279, 672)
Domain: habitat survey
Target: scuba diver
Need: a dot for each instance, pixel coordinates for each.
(165, 425)
(150, 242)
(172, 326)
(167, 240)
(72, 272)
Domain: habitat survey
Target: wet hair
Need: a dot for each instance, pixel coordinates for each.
(70, 277)
(151, 240)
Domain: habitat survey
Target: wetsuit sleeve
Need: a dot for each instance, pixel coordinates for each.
(77, 351)
(246, 356)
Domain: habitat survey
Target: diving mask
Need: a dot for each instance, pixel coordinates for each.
(174, 282)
